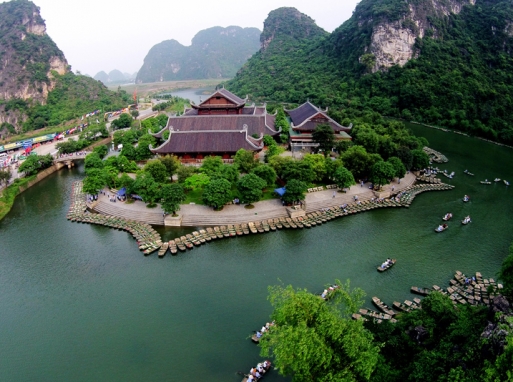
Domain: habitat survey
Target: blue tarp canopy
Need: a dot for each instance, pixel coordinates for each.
(122, 192)
(280, 191)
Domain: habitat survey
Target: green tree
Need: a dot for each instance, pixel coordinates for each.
(250, 188)
(101, 150)
(184, 172)
(134, 114)
(5, 176)
(405, 155)
(129, 152)
(357, 160)
(147, 188)
(300, 170)
(318, 164)
(30, 166)
(217, 193)
(267, 173)
(171, 162)
(127, 182)
(399, 168)
(211, 165)
(94, 181)
(157, 170)
(313, 340)
(172, 196)
(419, 159)
(244, 160)
(381, 173)
(325, 137)
(294, 191)
(199, 180)
(343, 177)
(93, 160)
(272, 151)
(142, 149)
(228, 172)
(124, 121)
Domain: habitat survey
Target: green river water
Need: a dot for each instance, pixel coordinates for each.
(81, 303)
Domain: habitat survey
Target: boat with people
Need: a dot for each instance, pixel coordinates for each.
(256, 373)
(506, 182)
(496, 180)
(468, 173)
(259, 333)
(447, 216)
(441, 228)
(328, 292)
(486, 181)
(466, 220)
(466, 198)
(387, 264)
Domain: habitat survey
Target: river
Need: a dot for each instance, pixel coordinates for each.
(81, 303)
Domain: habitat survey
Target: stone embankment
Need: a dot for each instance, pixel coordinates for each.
(147, 238)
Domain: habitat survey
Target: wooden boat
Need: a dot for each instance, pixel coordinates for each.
(468, 173)
(382, 306)
(163, 249)
(421, 291)
(205, 235)
(186, 242)
(265, 365)
(389, 264)
(466, 220)
(466, 198)
(401, 307)
(496, 180)
(441, 228)
(181, 246)
(172, 247)
(506, 182)
(447, 216)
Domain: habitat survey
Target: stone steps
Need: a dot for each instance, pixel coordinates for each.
(150, 217)
(202, 220)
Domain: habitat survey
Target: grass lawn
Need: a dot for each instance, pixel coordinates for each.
(194, 196)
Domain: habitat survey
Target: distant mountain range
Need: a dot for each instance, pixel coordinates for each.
(214, 53)
(114, 76)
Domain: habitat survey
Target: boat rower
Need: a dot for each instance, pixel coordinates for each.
(258, 334)
(324, 293)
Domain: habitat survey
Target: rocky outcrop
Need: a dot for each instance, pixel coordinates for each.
(288, 23)
(28, 56)
(392, 43)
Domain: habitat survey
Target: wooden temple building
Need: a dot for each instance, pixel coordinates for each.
(304, 121)
(220, 125)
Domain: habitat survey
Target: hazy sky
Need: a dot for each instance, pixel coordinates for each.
(117, 34)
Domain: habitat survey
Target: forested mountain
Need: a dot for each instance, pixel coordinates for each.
(214, 53)
(442, 62)
(37, 88)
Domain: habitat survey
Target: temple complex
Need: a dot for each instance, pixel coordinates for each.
(304, 121)
(220, 125)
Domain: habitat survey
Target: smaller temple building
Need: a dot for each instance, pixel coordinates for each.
(220, 125)
(304, 121)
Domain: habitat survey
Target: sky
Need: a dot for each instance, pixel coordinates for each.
(104, 35)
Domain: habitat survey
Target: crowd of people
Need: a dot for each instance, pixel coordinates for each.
(257, 372)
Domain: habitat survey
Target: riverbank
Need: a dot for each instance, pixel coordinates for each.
(459, 133)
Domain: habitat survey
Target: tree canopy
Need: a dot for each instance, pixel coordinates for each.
(250, 188)
(172, 196)
(324, 136)
(315, 340)
(294, 191)
(217, 193)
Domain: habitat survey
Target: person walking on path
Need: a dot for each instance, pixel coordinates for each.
(334, 193)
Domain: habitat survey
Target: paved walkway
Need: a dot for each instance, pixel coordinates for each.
(197, 215)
